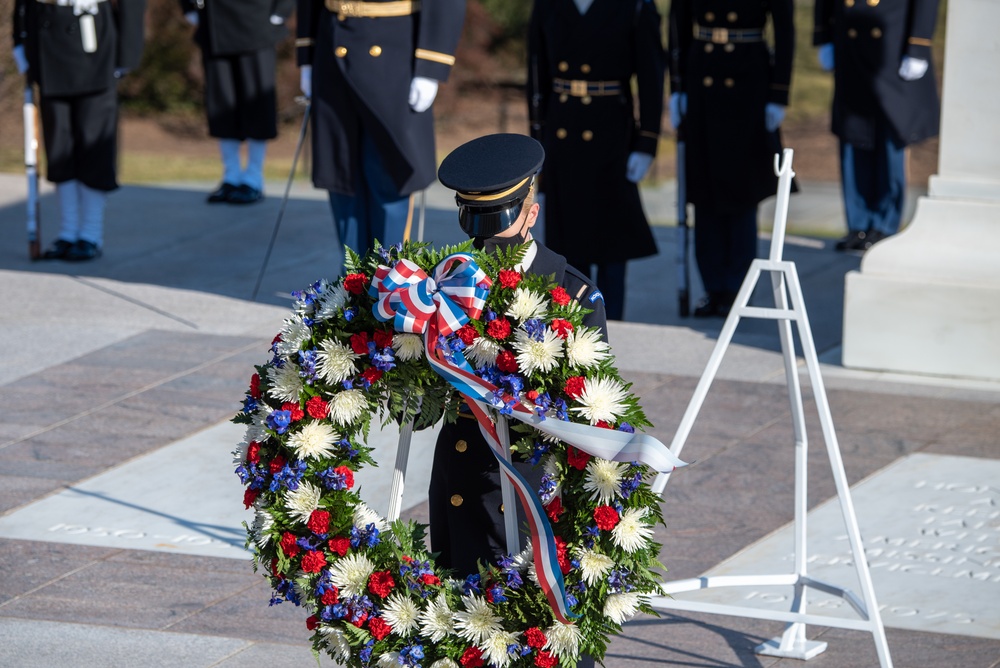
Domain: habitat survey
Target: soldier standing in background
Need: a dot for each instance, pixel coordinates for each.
(582, 55)
(372, 70)
(730, 92)
(237, 40)
(885, 98)
(75, 51)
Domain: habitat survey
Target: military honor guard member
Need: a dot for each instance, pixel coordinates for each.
(75, 51)
(582, 55)
(729, 94)
(885, 98)
(372, 70)
(237, 40)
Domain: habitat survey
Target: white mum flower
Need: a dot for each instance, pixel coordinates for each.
(331, 299)
(334, 362)
(495, 648)
(408, 346)
(444, 663)
(477, 622)
(347, 406)
(584, 347)
(524, 562)
(563, 640)
(482, 353)
(632, 533)
(351, 573)
(594, 565)
(292, 335)
(337, 641)
(535, 355)
(256, 431)
(364, 515)
(619, 608)
(303, 501)
(526, 305)
(604, 480)
(551, 468)
(602, 399)
(286, 383)
(388, 660)
(436, 620)
(263, 521)
(313, 440)
(401, 613)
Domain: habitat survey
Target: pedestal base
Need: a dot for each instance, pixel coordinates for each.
(802, 649)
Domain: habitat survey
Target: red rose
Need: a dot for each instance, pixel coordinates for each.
(319, 522)
(339, 545)
(546, 659)
(509, 279)
(378, 627)
(559, 296)
(498, 328)
(561, 327)
(606, 517)
(381, 583)
(331, 596)
(355, 283)
(371, 374)
(383, 339)
(507, 362)
(577, 458)
(359, 343)
(249, 497)
(314, 561)
(255, 386)
(317, 408)
(472, 658)
(555, 509)
(574, 386)
(348, 475)
(312, 621)
(277, 464)
(562, 557)
(430, 579)
(294, 409)
(288, 545)
(253, 452)
(535, 638)
(467, 333)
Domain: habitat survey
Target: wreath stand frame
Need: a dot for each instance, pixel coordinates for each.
(785, 286)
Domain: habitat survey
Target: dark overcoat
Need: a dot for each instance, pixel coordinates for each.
(720, 59)
(232, 27)
(362, 69)
(870, 39)
(588, 137)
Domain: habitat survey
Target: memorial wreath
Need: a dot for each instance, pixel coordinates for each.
(410, 333)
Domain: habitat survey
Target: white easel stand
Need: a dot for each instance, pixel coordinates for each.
(792, 643)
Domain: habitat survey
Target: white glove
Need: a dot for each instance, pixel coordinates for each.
(638, 165)
(422, 93)
(678, 108)
(306, 80)
(774, 114)
(825, 57)
(20, 59)
(911, 69)
(191, 18)
(277, 20)
(120, 72)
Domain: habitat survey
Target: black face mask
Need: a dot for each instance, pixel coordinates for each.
(493, 244)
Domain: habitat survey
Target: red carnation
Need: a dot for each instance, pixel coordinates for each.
(559, 296)
(574, 386)
(277, 464)
(561, 327)
(274, 568)
(562, 557)
(294, 409)
(603, 425)
(577, 458)
(507, 362)
(535, 637)
(314, 561)
(546, 659)
(317, 408)
(288, 545)
(339, 545)
(253, 452)
(276, 339)
(331, 596)
(531, 395)
(359, 343)
(381, 583)
(319, 522)
(255, 386)
(383, 339)
(348, 475)
(249, 497)
(430, 579)
(312, 621)
(360, 621)
(378, 627)
(371, 374)
(509, 279)
(467, 333)
(498, 328)
(606, 517)
(555, 509)
(355, 283)
(472, 658)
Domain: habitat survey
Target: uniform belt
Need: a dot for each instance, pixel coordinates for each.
(64, 3)
(372, 10)
(727, 35)
(583, 88)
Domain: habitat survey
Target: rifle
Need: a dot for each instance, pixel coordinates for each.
(31, 169)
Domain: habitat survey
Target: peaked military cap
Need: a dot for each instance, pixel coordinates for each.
(491, 177)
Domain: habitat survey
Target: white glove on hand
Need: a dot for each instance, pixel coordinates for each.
(306, 80)
(20, 59)
(825, 57)
(121, 72)
(422, 93)
(678, 108)
(911, 69)
(774, 114)
(191, 18)
(277, 20)
(638, 165)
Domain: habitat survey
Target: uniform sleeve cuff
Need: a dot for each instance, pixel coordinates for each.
(645, 142)
(778, 94)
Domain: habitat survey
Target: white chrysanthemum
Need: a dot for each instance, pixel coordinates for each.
(313, 440)
(364, 515)
(495, 648)
(619, 608)
(593, 565)
(584, 348)
(334, 362)
(550, 467)
(388, 660)
(263, 521)
(526, 305)
(482, 353)
(401, 613)
(256, 430)
(603, 480)
(303, 501)
(292, 335)
(286, 383)
(331, 300)
(407, 346)
(632, 533)
(444, 663)
(535, 355)
(436, 620)
(524, 562)
(347, 406)
(563, 640)
(602, 400)
(477, 622)
(337, 641)
(350, 574)
(240, 453)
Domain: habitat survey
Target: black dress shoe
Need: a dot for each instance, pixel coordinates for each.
(245, 194)
(222, 193)
(853, 240)
(58, 251)
(713, 305)
(872, 238)
(83, 251)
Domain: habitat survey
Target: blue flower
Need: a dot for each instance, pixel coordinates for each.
(349, 313)
(496, 591)
(289, 476)
(535, 328)
(366, 654)
(279, 421)
(249, 404)
(307, 364)
(561, 411)
(537, 452)
(471, 585)
(626, 427)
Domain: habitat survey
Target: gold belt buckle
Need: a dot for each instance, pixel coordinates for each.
(720, 35)
(578, 87)
(345, 9)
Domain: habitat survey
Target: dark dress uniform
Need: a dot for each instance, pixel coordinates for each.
(729, 74)
(876, 113)
(581, 109)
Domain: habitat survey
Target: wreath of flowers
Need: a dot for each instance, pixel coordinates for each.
(371, 588)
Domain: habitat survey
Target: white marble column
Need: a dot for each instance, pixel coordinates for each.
(928, 299)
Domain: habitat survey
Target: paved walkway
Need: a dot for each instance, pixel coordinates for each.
(145, 353)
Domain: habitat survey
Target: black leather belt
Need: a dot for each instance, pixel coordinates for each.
(727, 35)
(583, 88)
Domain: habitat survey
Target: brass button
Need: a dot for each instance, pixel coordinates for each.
(461, 446)
(456, 500)
(585, 68)
(729, 48)
(563, 66)
(707, 81)
(729, 83)
(587, 135)
(709, 47)
(375, 51)
(500, 509)
(876, 32)
(873, 3)
(586, 99)
(852, 33)
(561, 133)
(848, 3)
(563, 97)
(709, 16)
(731, 17)
(340, 51)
